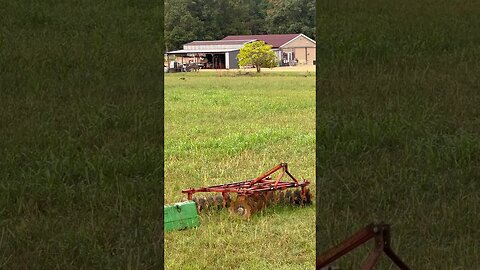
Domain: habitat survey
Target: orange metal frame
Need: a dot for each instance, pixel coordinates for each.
(261, 183)
(379, 232)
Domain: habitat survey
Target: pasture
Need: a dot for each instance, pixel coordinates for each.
(80, 135)
(224, 127)
(398, 128)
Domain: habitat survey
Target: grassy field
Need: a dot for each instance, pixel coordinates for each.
(221, 127)
(398, 128)
(80, 135)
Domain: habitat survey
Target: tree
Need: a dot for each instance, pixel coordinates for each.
(188, 20)
(257, 54)
(181, 26)
(257, 13)
(291, 16)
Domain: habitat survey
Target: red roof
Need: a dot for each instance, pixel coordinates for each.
(220, 42)
(276, 40)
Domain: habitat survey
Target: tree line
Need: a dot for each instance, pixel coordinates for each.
(188, 20)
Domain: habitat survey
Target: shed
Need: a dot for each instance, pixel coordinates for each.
(216, 54)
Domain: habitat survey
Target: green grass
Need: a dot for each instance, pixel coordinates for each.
(80, 135)
(222, 128)
(398, 128)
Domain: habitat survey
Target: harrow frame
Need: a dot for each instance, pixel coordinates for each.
(259, 186)
(381, 235)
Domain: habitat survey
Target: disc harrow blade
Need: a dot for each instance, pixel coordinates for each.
(297, 197)
(308, 197)
(210, 202)
(288, 197)
(256, 202)
(269, 198)
(215, 202)
(201, 203)
(242, 208)
(276, 197)
(281, 197)
(218, 201)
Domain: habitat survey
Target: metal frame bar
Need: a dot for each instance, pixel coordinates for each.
(261, 183)
(381, 234)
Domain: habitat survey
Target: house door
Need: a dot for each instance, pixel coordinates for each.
(291, 58)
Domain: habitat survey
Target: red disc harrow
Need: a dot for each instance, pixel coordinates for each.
(253, 195)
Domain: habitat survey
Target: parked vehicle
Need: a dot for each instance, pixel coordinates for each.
(179, 67)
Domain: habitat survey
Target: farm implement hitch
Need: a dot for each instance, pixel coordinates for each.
(254, 195)
(379, 232)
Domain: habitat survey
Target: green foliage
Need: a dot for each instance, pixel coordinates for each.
(181, 26)
(214, 19)
(398, 127)
(257, 13)
(257, 54)
(291, 16)
(80, 135)
(204, 20)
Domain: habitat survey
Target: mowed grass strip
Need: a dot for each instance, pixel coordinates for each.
(398, 128)
(225, 127)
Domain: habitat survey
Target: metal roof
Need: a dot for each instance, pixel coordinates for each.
(219, 42)
(276, 40)
(202, 51)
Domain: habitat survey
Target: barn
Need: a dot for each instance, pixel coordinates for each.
(215, 54)
(290, 49)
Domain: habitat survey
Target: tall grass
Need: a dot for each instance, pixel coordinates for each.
(398, 130)
(80, 135)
